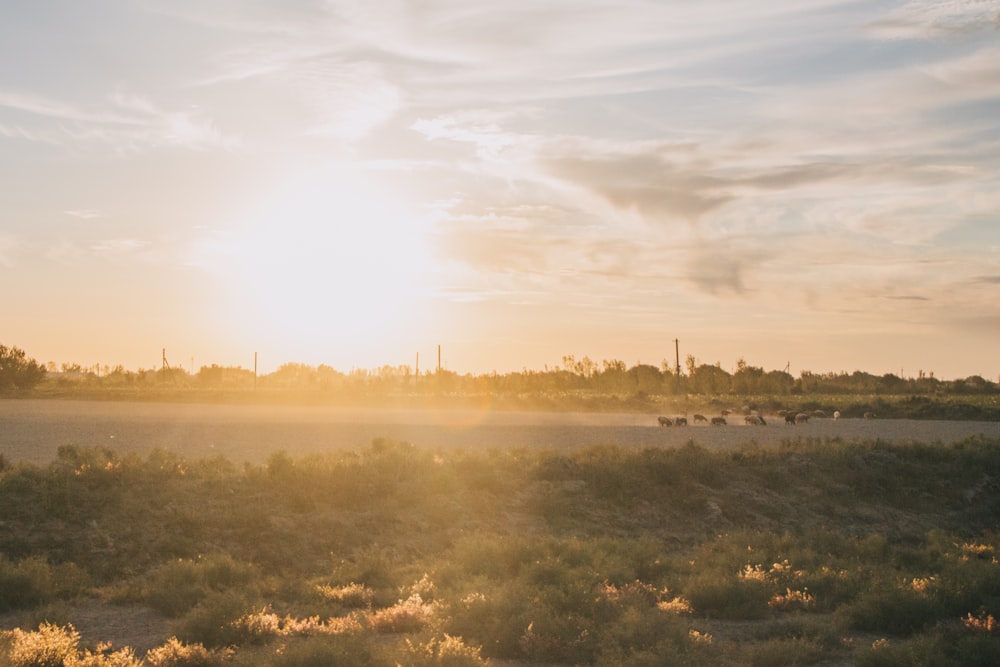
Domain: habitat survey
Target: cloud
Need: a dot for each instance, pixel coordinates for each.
(125, 122)
(722, 267)
(66, 251)
(84, 214)
(650, 184)
(924, 19)
(482, 128)
(117, 246)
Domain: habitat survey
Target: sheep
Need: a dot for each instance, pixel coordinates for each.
(754, 420)
(700, 418)
(681, 421)
(789, 417)
(836, 414)
(664, 421)
(718, 421)
(801, 418)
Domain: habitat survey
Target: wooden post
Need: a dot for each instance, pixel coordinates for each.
(255, 371)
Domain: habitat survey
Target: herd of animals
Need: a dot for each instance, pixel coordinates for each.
(753, 418)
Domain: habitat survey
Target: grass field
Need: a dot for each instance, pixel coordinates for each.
(815, 552)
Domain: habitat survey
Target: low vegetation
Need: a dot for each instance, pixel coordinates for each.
(581, 384)
(815, 552)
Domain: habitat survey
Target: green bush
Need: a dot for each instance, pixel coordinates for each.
(336, 651)
(33, 581)
(726, 596)
(786, 653)
(178, 586)
(212, 622)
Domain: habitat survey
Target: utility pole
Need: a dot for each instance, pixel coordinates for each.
(255, 371)
(677, 362)
(439, 358)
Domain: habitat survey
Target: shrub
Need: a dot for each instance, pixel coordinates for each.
(726, 596)
(445, 652)
(407, 615)
(178, 586)
(785, 653)
(34, 581)
(896, 610)
(337, 651)
(49, 646)
(178, 654)
(352, 595)
(211, 621)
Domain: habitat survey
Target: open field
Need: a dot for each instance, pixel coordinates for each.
(33, 430)
(301, 537)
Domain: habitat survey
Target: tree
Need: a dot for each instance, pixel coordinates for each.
(706, 379)
(17, 371)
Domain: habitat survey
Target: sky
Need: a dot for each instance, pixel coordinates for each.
(810, 185)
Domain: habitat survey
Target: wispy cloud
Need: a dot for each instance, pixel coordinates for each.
(921, 19)
(125, 122)
(84, 214)
(69, 251)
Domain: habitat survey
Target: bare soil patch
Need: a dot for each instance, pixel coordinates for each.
(33, 430)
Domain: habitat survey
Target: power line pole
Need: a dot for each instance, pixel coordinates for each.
(677, 362)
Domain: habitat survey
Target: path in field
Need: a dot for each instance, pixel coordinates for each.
(33, 430)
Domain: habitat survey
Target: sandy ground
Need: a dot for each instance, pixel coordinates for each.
(33, 430)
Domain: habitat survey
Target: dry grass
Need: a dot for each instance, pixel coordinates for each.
(813, 552)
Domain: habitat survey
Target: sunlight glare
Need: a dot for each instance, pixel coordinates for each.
(329, 263)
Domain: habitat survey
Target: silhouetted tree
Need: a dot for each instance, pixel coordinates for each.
(708, 379)
(17, 371)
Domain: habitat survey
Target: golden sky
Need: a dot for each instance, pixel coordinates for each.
(811, 184)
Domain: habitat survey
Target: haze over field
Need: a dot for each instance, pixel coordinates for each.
(813, 183)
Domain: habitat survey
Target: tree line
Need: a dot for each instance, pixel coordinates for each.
(583, 376)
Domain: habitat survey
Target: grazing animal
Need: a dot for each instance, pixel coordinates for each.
(801, 418)
(870, 415)
(700, 418)
(725, 413)
(753, 420)
(789, 418)
(681, 421)
(718, 421)
(664, 421)
(836, 414)
(819, 413)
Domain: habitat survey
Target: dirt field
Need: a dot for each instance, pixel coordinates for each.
(33, 430)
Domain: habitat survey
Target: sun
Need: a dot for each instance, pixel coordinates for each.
(331, 265)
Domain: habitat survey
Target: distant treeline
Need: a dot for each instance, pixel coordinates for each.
(580, 377)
